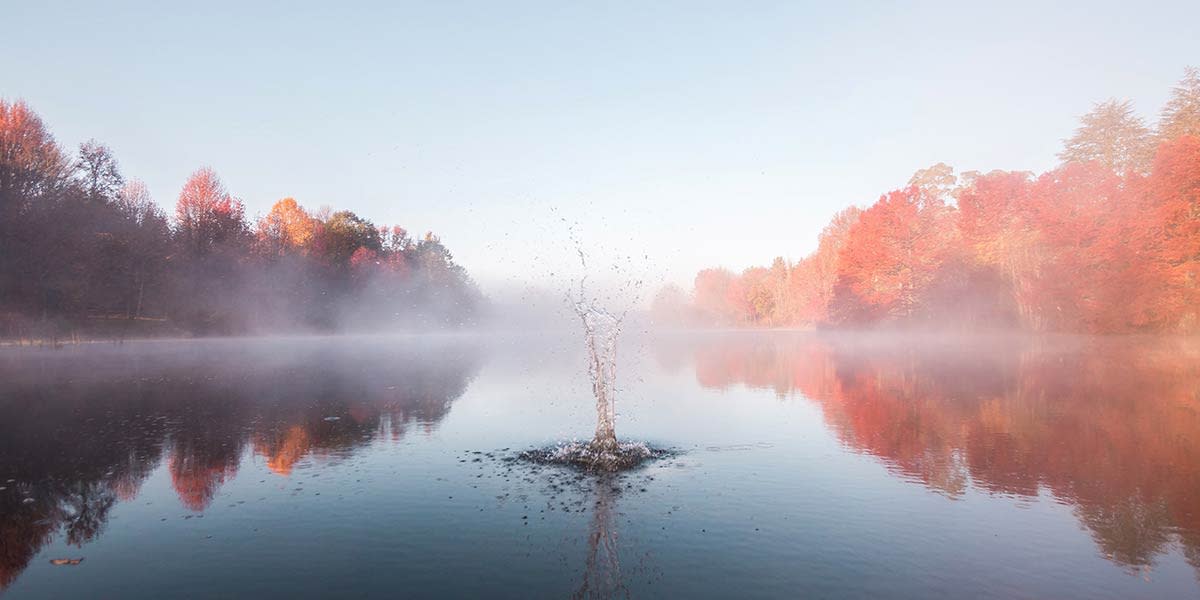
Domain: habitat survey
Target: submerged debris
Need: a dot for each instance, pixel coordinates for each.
(58, 562)
(593, 457)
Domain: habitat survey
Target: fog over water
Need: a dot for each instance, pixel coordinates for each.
(544, 300)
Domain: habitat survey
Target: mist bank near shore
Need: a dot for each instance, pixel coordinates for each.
(1108, 242)
(86, 253)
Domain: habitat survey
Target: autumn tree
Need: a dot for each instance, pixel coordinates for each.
(1181, 115)
(80, 246)
(346, 232)
(937, 181)
(997, 234)
(892, 255)
(395, 239)
(206, 215)
(1076, 210)
(754, 294)
(1112, 135)
(211, 234)
(31, 162)
(287, 227)
(811, 282)
(1100, 244)
(434, 260)
(802, 294)
(777, 290)
(1171, 238)
(363, 262)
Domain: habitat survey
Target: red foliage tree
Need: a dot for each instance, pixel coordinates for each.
(1076, 210)
(31, 162)
(205, 214)
(891, 256)
(1170, 239)
(811, 282)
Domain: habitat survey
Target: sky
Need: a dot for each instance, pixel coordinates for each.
(668, 136)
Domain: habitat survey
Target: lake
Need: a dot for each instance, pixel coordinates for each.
(806, 465)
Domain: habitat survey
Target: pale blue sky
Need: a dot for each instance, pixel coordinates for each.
(691, 133)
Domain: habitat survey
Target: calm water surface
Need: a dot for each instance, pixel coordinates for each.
(810, 466)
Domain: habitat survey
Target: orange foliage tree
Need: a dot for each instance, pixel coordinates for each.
(1170, 241)
(288, 227)
(891, 256)
(1107, 242)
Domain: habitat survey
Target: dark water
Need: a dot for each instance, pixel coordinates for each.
(811, 466)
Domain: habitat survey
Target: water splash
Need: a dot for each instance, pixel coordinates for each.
(601, 330)
(593, 457)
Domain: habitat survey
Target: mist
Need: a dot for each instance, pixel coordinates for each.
(1105, 243)
(661, 300)
(86, 253)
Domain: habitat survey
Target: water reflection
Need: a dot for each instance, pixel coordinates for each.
(81, 431)
(1110, 427)
(602, 572)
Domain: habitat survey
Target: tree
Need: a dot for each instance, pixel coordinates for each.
(811, 282)
(41, 235)
(998, 234)
(1181, 115)
(755, 303)
(80, 246)
(1077, 211)
(1172, 237)
(31, 163)
(211, 234)
(938, 180)
(434, 260)
(148, 240)
(99, 173)
(395, 239)
(287, 227)
(206, 215)
(1112, 135)
(346, 232)
(892, 255)
(135, 203)
(363, 262)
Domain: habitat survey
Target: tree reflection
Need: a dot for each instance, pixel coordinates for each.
(81, 433)
(1110, 427)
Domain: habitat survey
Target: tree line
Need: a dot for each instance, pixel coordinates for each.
(84, 249)
(1109, 241)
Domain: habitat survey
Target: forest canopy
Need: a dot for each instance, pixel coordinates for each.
(83, 249)
(1107, 242)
